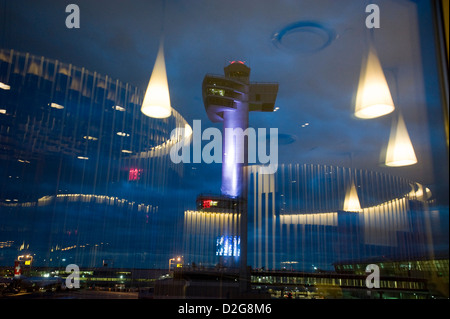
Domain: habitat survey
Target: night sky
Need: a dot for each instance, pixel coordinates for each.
(121, 39)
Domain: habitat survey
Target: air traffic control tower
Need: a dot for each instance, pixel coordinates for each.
(229, 99)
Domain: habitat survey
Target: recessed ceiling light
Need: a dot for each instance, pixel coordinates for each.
(123, 134)
(90, 138)
(56, 106)
(4, 86)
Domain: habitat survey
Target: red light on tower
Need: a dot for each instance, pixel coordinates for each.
(208, 203)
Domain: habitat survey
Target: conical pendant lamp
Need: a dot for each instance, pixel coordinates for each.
(373, 97)
(400, 151)
(157, 99)
(351, 202)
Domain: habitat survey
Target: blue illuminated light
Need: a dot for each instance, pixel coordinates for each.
(228, 246)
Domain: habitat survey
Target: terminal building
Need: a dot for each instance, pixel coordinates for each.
(79, 164)
(212, 232)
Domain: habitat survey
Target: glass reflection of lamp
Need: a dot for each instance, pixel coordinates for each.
(351, 202)
(422, 193)
(157, 99)
(400, 151)
(373, 98)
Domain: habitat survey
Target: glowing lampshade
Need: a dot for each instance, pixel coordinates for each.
(351, 202)
(157, 100)
(400, 151)
(373, 98)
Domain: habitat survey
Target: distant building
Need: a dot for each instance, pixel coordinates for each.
(217, 231)
(212, 232)
(433, 268)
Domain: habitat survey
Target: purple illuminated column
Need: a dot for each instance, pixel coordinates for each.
(234, 149)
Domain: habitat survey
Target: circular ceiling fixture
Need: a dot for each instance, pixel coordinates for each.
(304, 37)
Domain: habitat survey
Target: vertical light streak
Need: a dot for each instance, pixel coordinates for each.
(351, 203)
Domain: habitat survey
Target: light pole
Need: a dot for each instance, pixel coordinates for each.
(176, 260)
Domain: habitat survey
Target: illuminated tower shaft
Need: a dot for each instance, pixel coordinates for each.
(233, 149)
